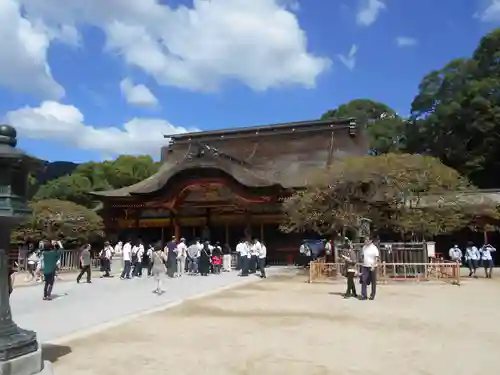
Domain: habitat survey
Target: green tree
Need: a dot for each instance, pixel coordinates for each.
(57, 219)
(384, 127)
(94, 176)
(456, 114)
(128, 170)
(406, 193)
(73, 188)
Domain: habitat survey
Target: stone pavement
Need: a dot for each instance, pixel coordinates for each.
(82, 307)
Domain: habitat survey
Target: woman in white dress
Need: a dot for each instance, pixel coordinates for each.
(159, 259)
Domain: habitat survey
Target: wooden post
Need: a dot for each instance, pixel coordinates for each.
(248, 226)
(261, 232)
(177, 228)
(226, 232)
(485, 237)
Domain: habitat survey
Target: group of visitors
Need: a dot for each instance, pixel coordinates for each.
(43, 264)
(368, 277)
(251, 255)
(474, 258)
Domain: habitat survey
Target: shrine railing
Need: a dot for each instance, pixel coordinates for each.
(449, 272)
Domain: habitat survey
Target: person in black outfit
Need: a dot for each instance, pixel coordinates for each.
(349, 255)
(204, 263)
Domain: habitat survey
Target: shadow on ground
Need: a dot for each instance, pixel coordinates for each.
(52, 353)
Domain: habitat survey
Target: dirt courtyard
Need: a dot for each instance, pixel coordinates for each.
(285, 326)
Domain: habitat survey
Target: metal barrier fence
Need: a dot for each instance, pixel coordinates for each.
(398, 252)
(319, 270)
(69, 261)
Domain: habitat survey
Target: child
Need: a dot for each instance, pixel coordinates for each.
(217, 263)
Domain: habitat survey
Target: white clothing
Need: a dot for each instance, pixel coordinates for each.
(255, 248)
(472, 253)
(181, 250)
(107, 252)
(370, 255)
(486, 251)
(127, 251)
(33, 258)
(305, 249)
(243, 249)
(226, 262)
(263, 251)
(140, 252)
(455, 253)
(118, 248)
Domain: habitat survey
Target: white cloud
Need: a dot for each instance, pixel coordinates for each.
(23, 57)
(65, 123)
(138, 95)
(369, 11)
(349, 60)
(490, 12)
(257, 42)
(405, 41)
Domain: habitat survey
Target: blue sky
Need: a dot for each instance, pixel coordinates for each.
(92, 79)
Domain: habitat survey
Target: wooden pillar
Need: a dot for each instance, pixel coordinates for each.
(248, 226)
(261, 232)
(226, 232)
(485, 236)
(177, 229)
(136, 223)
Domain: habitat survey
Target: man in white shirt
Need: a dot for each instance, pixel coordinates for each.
(487, 259)
(369, 269)
(118, 248)
(106, 255)
(140, 258)
(262, 260)
(181, 252)
(472, 256)
(193, 256)
(455, 254)
(244, 251)
(254, 255)
(127, 256)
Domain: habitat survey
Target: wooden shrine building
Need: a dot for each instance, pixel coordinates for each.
(229, 184)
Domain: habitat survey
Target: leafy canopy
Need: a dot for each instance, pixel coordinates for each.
(383, 125)
(124, 171)
(58, 219)
(403, 192)
(456, 114)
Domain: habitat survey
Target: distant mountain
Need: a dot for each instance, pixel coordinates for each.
(55, 170)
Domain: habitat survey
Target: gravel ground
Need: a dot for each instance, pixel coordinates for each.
(283, 325)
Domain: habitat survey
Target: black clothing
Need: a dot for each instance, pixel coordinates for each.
(49, 284)
(351, 287)
(204, 262)
(85, 269)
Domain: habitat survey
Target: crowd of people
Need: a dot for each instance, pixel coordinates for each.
(42, 264)
(474, 258)
(179, 258)
(174, 260)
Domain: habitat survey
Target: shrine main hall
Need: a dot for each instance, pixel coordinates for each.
(225, 185)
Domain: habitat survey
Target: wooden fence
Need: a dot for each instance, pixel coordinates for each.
(449, 272)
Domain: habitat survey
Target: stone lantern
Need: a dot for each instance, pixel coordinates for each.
(20, 353)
